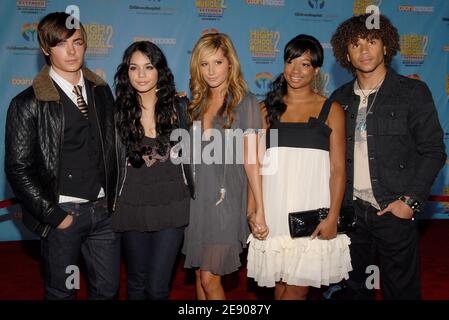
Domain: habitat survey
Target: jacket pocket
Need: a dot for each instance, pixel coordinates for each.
(392, 122)
(391, 177)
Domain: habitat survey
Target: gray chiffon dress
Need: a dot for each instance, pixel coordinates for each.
(216, 234)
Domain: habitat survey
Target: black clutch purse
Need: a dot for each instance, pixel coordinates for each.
(303, 223)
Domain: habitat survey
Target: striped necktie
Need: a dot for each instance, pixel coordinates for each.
(82, 105)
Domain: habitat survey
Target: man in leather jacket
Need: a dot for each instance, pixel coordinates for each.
(395, 150)
(61, 162)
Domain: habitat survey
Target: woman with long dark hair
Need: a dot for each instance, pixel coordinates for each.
(153, 206)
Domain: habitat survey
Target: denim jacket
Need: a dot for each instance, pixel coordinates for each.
(405, 140)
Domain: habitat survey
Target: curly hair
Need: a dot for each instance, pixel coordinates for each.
(128, 102)
(296, 47)
(237, 87)
(355, 28)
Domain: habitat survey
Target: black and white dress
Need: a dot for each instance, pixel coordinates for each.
(296, 176)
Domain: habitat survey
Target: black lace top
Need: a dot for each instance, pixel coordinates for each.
(154, 195)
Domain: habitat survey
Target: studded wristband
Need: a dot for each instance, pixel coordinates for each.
(412, 203)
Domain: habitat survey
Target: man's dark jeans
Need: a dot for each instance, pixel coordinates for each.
(395, 244)
(91, 235)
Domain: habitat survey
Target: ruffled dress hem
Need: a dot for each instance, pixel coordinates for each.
(299, 261)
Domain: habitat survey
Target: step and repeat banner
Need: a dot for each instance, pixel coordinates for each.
(259, 30)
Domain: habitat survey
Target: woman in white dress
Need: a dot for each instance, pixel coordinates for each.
(304, 170)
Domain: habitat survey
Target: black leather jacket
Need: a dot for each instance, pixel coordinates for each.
(405, 140)
(34, 136)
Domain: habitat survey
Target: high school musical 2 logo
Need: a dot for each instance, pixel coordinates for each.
(264, 45)
(361, 5)
(413, 49)
(320, 83)
(99, 39)
(210, 9)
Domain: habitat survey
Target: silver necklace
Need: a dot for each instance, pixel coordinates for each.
(365, 97)
(362, 124)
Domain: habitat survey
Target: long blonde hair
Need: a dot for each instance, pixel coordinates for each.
(237, 87)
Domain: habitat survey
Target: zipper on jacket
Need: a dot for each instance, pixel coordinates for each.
(47, 227)
(118, 190)
(124, 176)
(101, 141)
(118, 167)
(60, 151)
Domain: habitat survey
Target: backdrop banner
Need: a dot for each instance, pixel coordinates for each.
(259, 29)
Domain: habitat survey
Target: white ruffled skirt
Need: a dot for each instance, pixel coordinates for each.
(296, 179)
(299, 261)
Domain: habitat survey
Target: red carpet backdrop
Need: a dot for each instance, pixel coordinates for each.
(21, 272)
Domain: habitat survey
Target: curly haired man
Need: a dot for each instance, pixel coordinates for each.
(395, 150)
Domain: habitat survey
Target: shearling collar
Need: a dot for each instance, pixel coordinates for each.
(45, 90)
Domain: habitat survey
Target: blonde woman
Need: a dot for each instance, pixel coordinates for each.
(220, 104)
